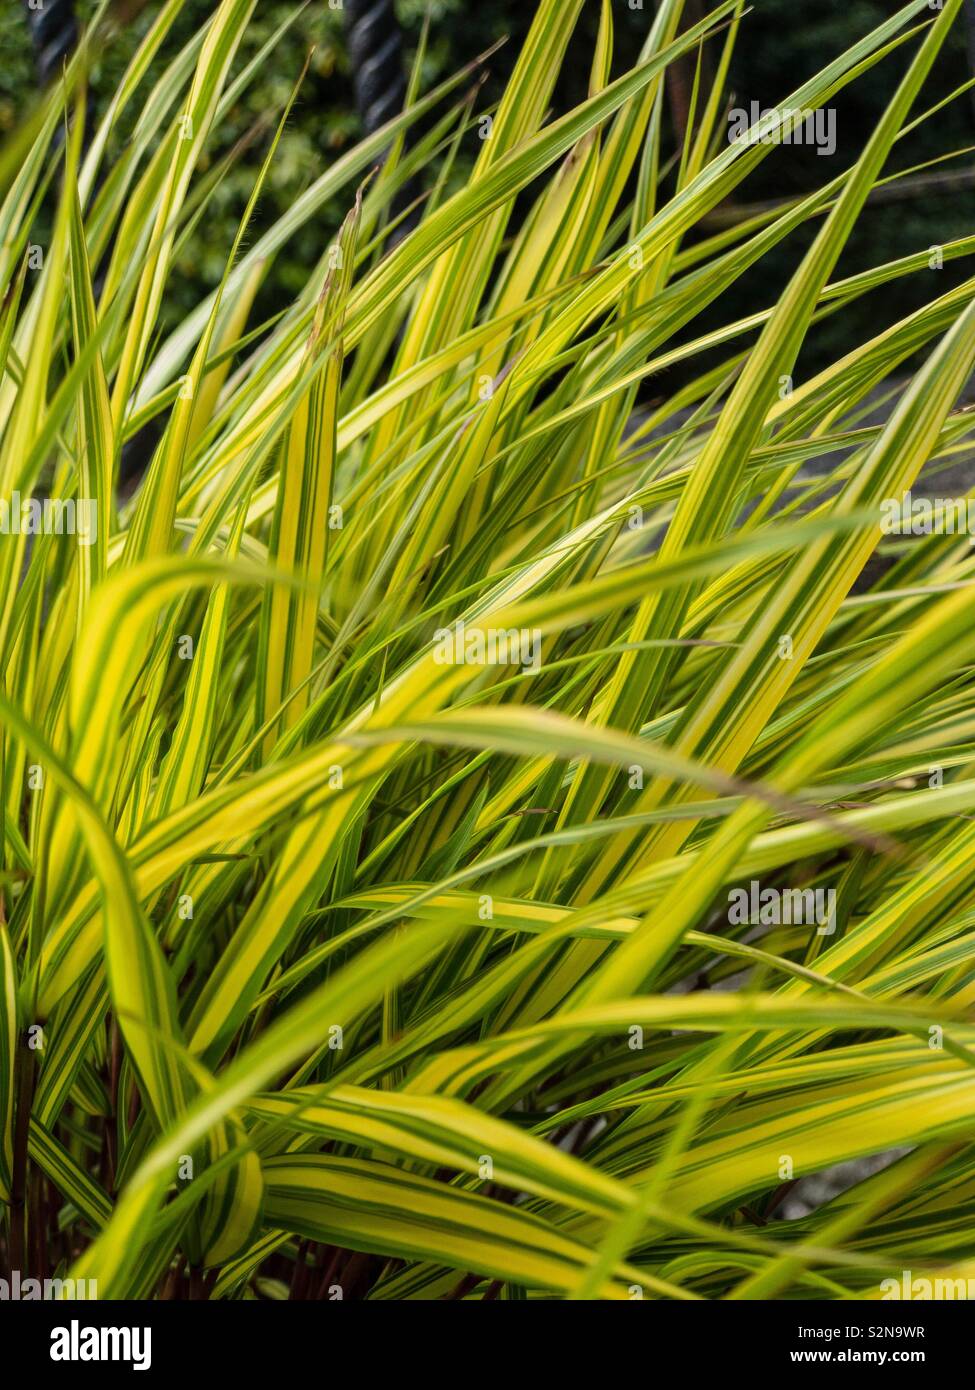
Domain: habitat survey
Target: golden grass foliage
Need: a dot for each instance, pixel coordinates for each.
(333, 963)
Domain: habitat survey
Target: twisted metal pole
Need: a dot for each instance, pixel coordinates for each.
(54, 33)
(970, 42)
(379, 80)
(376, 52)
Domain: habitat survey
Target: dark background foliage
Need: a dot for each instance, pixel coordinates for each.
(782, 42)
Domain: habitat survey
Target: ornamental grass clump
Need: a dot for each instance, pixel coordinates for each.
(418, 788)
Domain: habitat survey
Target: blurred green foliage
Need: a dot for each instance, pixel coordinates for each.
(781, 43)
